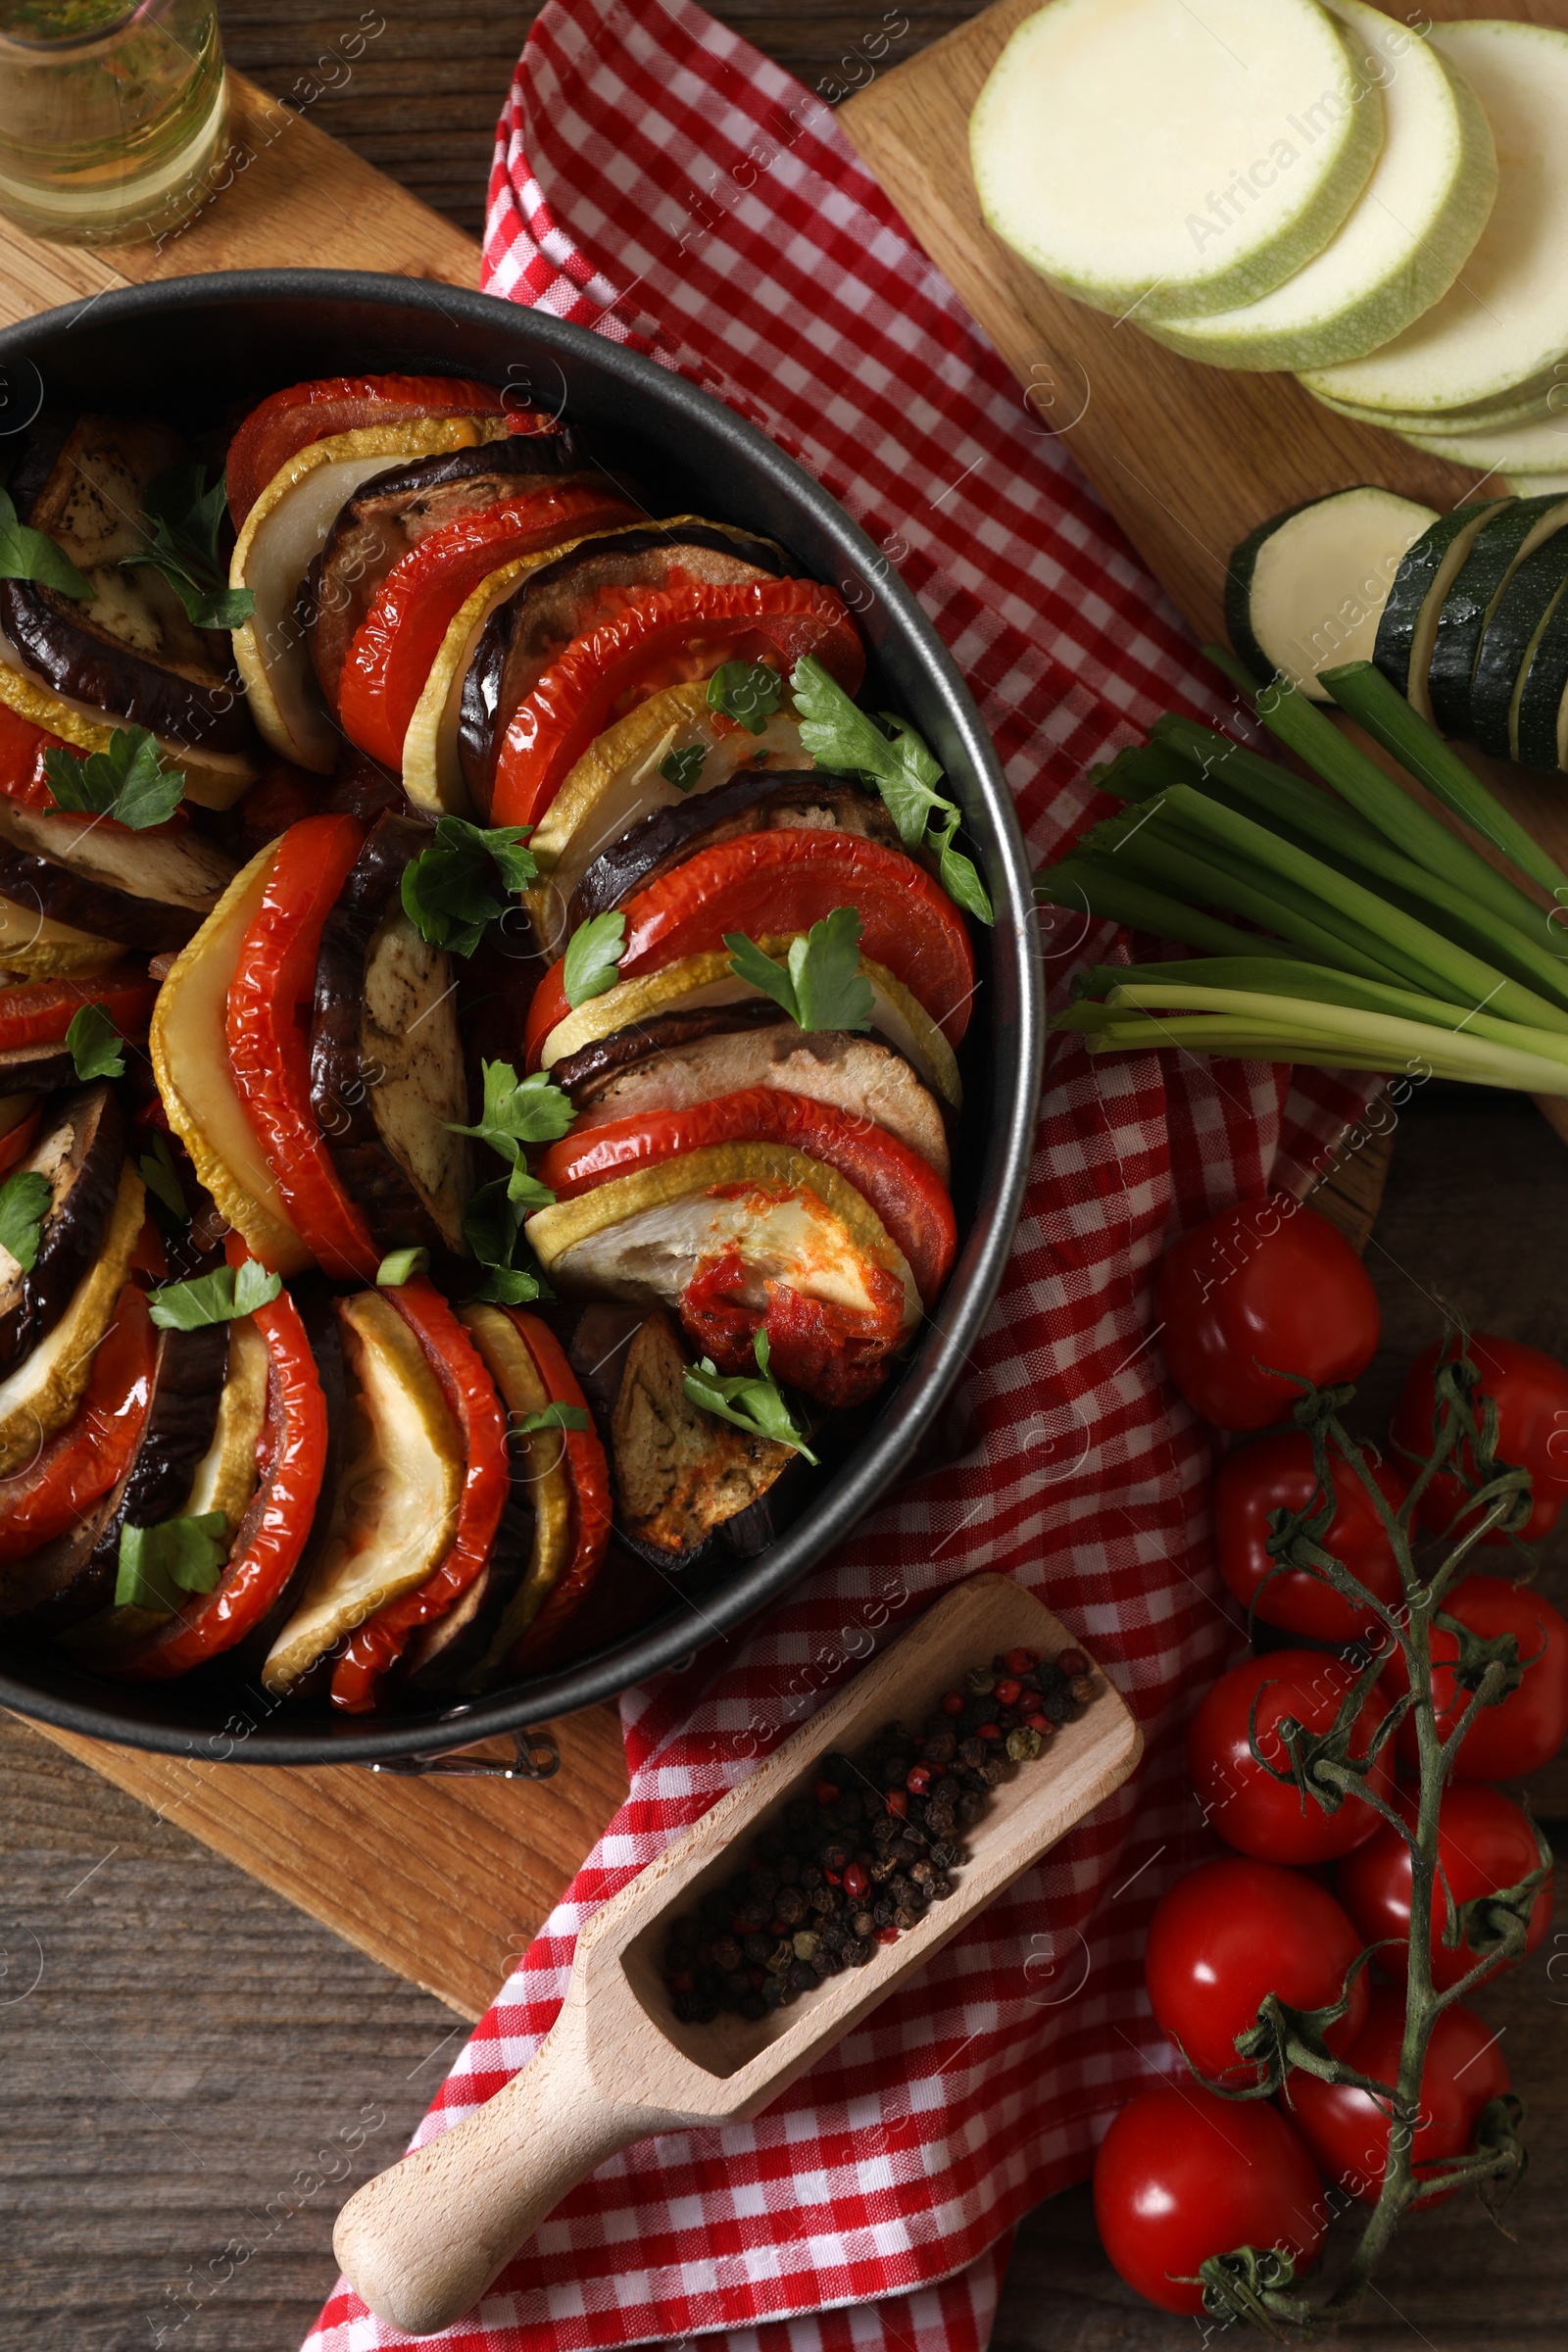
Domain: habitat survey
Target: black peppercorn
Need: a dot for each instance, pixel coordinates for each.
(864, 1924)
(904, 1918)
(726, 1954)
(790, 1905)
(789, 1869)
(804, 1976)
(774, 1994)
(757, 1949)
(754, 2006)
(882, 1912)
(737, 1984)
(857, 1951)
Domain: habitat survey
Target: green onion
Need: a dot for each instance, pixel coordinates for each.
(1115, 896)
(1279, 1029)
(1366, 693)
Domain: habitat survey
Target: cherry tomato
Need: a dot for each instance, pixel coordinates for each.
(1485, 1843)
(1182, 2174)
(1526, 1728)
(1276, 1474)
(1530, 1390)
(1263, 1288)
(1347, 2132)
(1259, 1815)
(1233, 1931)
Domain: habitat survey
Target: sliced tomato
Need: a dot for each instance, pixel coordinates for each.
(17, 1141)
(590, 1482)
(476, 1407)
(38, 1012)
(21, 750)
(905, 1191)
(769, 883)
(389, 661)
(272, 1537)
(96, 1446)
(284, 796)
(287, 421)
(270, 999)
(661, 641)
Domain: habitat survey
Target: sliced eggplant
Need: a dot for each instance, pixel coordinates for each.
(187, 1390)
(681, 1476)
(394, 1513)
(557, 602)
(68, 1580)
(387, 1058)
(44, 1389)
(659, 1068)
(132, 650)
(394, 510)
(80, 1155)
(749, 803)
(40, 1069)
(150, 893)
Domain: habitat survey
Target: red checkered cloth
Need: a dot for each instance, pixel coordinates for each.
(658, 180)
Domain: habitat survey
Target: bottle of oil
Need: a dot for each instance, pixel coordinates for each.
(113, 117)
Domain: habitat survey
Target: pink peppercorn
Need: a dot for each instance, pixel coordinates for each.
(953, 1702)
(917, 1780)
(826, 1794)
(1021, 1661)
(987, 1730)
(1071, 1662)
(897, 1804)
(1007, 1691)
(855, 1882)
(887, 1934)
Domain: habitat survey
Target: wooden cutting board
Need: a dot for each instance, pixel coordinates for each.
(444, 1880)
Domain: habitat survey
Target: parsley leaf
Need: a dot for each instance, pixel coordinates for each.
(518, 1111)
(179, 1555)
(553, 1416)
(30, 555)
(125, 782)
(492, 1227)
(682, 769)
(450, 890)
(823, 986)
(749, 692)
(593, 957)
(184, 515)
(162, 1178)
(216, 1297)
(94, 1044)
(848, 740)
(400, 1267)
(23, 1204)
(753, 1404)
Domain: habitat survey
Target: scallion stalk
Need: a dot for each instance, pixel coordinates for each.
(1117, 896)
(1281, 1030)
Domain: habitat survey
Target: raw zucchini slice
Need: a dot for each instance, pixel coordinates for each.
(1307, 588)
(1526, 404)
(1500, 546)
(1144, 152)
(1505, 318)
(1542, 726)
(1539, 445)
(1537, 485)
(1409, 625)
(1508, 643)
(1407, 238)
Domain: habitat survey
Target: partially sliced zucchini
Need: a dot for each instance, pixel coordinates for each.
(1508, 645)
(395, 1511)
(1409, 627)
(1542, 730)
(1500, 546)
(1306, 589)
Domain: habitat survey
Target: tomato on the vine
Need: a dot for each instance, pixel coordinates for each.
(1485, 1844)
(1525, 1729)
(1264, 1289)
(1530, 1390)
(1182, 2174)
(1347, 2130)
(1257, 1814)
(1233, 1931)
(1276, 1474)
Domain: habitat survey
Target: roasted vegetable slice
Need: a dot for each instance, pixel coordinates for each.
(34, 947)
(279, 426)
(682, 1477)
(150, 889)
(94, 1450)
(40, 1395)
(214, 778)
(79, 1156)
(395, 1512)
(39, 1012)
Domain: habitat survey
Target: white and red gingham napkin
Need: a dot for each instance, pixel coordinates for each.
(658, 180)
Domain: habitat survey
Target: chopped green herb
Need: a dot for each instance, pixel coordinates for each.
(25, 1199)
(400, 1266)
(682, 769)
(822, 987)
(125, 782)
(162, 1178)
(751, 1404)
(94, 1044)
(216, 1297)
(749, 692)
(848, 740)
(157, 1564)
(593, 958)
(518, 1111)
(30, 555)
(492, 1227)
(553, 1416)
(184, 515)
(450, 892)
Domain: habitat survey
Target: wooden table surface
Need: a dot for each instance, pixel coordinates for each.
(192, 2073)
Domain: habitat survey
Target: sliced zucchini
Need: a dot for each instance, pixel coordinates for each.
(34, 946)
(1306, 589)
(1542, 728)
(1522, 404)
(225, 1478)
(395, 1511)
(1403, 649)
(1508, 644)
(543, 1464)
(1540, 445)
(44, 1391)
(1500, 546)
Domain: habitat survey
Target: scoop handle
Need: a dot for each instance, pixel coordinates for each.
(421, 2243)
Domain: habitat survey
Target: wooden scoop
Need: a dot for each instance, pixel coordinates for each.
(421, 2243)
